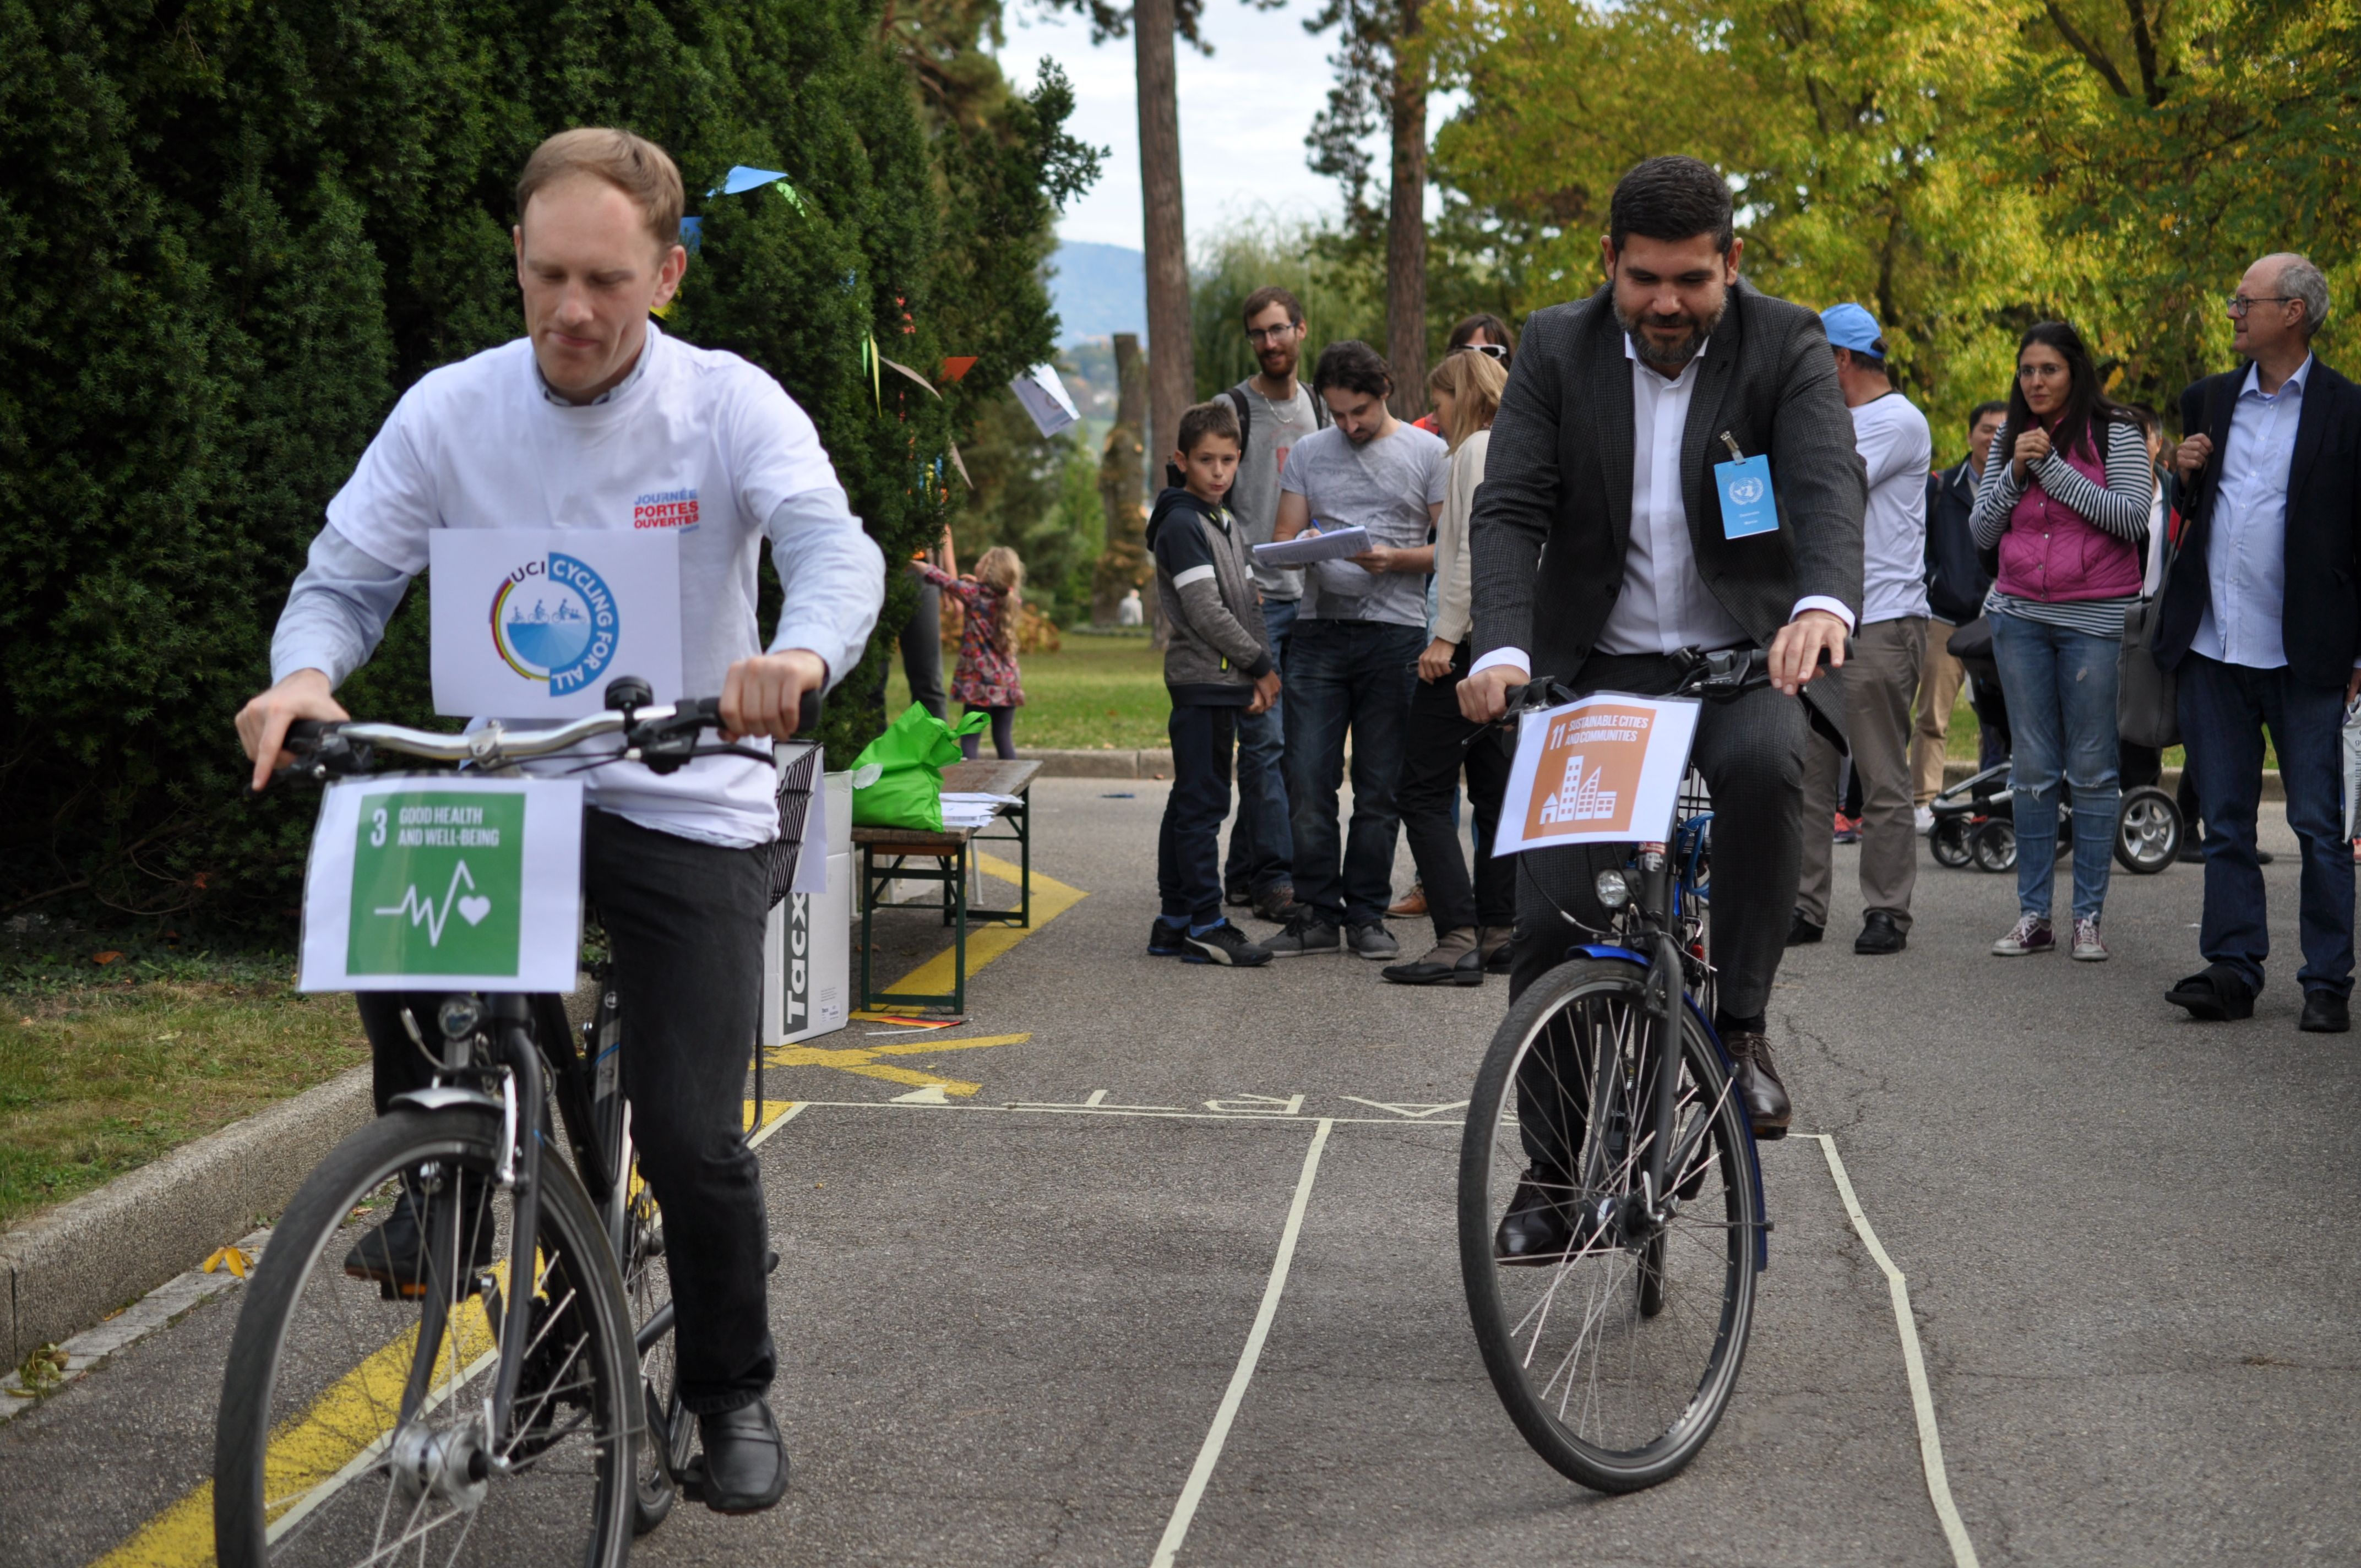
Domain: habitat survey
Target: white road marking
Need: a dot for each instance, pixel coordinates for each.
(1258, 1105)
(1035, 1108)
(794, 1110)
(1930, 1441)
(932, 1094)
(1177, 1529)
(1409, 1110)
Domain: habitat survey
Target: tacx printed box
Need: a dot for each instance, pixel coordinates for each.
(807, 946)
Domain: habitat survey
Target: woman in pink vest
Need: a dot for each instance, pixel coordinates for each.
(2065, 496)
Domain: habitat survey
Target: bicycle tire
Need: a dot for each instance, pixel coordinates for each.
(317, 1364)
(1639, 1302)
(672, 1433)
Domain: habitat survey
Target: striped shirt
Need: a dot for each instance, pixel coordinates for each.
(2119, 508)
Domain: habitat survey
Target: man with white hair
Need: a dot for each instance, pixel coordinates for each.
(2261, 621)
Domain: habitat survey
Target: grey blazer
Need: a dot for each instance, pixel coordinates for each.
(1559, 475)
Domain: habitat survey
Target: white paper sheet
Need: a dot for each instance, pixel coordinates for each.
(1331, 544)
(1044, 397)
(1604, 770)
(533, 622)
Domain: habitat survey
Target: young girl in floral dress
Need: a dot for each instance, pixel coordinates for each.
(987, 677)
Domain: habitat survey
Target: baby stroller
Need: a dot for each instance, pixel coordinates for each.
(1974, 824)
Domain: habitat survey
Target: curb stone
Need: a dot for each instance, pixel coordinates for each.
(1153, 763)
(63, 1273)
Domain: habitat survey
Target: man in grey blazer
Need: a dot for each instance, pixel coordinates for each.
(1615, 415)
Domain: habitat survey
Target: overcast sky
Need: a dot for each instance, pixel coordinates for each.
(1243, 116)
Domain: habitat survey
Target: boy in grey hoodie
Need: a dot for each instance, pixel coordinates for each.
(1217, 664)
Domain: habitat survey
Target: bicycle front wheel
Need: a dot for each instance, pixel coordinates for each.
(1615, 1340)
(354, 1426)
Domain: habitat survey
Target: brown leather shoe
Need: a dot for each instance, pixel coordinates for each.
(1757, 1084)
(1411, 903)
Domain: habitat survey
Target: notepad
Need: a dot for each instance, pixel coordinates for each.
(1307, 548)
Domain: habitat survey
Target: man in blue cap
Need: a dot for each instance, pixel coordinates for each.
(1896, 448)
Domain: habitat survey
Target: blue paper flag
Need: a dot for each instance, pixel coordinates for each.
(692, 233)
(740, 180)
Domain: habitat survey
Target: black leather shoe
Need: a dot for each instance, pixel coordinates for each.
(1880, 933)
(1448, 962)
(1757, 1084)
(743, 1469)
(2217, 993)
(1277, 904)
(394, 1254)
(2325, 1013)
(1539, 1226)
(1803, 931)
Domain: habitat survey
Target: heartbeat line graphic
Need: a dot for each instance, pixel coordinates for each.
(421, 912)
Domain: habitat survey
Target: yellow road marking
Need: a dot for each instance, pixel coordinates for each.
(313, 1447)
(1051, 898)
(864, 1060)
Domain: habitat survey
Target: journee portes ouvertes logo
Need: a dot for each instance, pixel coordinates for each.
(553, 620)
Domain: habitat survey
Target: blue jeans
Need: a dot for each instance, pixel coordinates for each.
(1355, 675)
(2223, 709)
(1262, 845)
(2060, 686)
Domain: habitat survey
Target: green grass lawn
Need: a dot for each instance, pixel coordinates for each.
(1097, 692)
(97, 1079)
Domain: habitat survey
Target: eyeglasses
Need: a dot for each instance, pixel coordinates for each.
(2239, 305)
(1272, 333)
(1499, 351)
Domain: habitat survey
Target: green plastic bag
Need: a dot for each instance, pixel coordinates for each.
(897, 779)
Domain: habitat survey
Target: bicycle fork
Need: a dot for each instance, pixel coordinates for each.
(520, 1171)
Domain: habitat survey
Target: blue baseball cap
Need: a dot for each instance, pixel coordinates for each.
(1851, 326)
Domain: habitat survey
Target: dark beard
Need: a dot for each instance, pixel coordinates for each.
(1672, 361)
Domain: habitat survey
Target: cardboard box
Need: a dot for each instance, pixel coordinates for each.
(808, 945)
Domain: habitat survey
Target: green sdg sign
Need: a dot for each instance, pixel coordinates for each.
(438, 884)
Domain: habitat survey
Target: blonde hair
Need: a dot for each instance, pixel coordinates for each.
(1474, 383)
(634, 165)
(999, 568)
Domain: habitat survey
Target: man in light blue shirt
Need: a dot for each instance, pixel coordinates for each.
(2261, 623)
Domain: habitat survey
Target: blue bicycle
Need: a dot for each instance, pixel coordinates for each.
(1610, 1205)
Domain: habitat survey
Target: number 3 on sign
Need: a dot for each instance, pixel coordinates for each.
(377, 828)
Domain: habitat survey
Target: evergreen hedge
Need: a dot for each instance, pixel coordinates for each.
(233, 231)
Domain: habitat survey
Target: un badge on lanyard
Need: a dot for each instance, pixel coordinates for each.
(1748, 507)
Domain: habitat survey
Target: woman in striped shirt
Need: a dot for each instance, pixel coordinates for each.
(2065, 498)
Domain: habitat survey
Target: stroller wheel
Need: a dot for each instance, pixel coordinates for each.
(2148, 831)
(1949, 843)
(1995, 846)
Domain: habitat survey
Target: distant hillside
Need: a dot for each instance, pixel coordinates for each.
(1098, 289)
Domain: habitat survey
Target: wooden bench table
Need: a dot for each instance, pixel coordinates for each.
(948, 852)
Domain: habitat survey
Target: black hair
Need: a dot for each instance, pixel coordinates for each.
(1216, 418)
(1272, 294)
(1353, 366)
(2082, 423)
(1989, 406)
(1671, 198)
(1492, 327)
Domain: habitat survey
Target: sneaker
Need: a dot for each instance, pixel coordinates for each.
(1922, 820)
(1306, 934)
(1167, 939)
(2086, 946)
(1236, 895)
(1847, 828)
(2029, 935)
(1371, 940)
(1225, 944)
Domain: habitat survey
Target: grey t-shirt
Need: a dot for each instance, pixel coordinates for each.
(1272, 429)
(1385, 488)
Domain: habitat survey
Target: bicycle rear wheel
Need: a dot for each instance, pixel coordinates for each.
(353, 1423)
(1616, 1352)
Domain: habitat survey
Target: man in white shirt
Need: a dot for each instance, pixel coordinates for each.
(1897, 449)
(596, 420)
(1618, 409)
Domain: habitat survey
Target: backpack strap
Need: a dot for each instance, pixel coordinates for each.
(1237, 396)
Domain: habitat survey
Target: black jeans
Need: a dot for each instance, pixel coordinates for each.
(922, 651)
(1189, 844)
(1347, 676)
(1441, 742)
(684, 923)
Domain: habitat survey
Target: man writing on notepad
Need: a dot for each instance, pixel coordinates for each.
(1358, 637)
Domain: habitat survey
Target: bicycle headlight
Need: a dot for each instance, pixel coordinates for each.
(1613, 891)
(460, 1016)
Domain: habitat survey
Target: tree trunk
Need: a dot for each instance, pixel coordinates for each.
(1406, 220)
(1172, 351)
(1122, 564)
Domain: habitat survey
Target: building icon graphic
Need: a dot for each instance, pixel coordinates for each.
(1578, 798)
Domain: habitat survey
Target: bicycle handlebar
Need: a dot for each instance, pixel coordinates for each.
(1724, 674)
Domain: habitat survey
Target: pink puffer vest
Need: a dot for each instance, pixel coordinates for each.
(2052, 554)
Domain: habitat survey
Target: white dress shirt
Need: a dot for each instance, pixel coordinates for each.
(1665, 605)
(2245, 547)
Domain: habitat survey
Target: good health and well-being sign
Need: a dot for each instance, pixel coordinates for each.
(532, 623)
(1604, 769)
(442, 882)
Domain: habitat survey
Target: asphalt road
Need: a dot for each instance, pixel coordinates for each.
(1005, 1332)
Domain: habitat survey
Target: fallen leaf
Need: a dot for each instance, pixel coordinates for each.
(106, 958)
(235, 1259)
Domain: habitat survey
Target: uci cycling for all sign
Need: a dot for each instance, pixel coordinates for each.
(439, 881)
(532, 623)
(1606, 769)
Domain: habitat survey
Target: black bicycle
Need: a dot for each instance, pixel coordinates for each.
(1604, 1119)
(439, 1389)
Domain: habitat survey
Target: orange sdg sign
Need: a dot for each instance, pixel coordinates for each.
(1587, 780)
